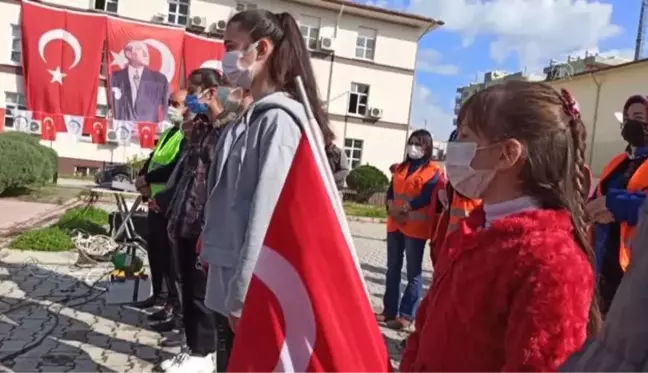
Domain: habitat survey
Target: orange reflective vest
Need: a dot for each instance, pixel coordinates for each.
(455, 208)
(638, 182)
(416, 223)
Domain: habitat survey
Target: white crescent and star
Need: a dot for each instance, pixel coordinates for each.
(71, 40)
(167, 64)
(212, 64)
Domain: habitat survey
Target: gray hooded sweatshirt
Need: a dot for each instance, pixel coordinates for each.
(253, 158)
(622, 346)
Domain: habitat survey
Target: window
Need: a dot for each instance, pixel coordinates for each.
(353, 150)
(310, 27)
(358, 97)
(16, 44)
(366, 43)
(109, 6)
(241, 6)
(178, 12)
(13, 101)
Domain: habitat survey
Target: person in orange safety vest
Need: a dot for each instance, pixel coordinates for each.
(411, 205)
(614, 208)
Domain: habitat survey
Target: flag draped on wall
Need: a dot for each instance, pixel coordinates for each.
(61, 62)
(62, 55)
(200, 52)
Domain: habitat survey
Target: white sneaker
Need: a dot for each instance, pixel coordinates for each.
(178, 359)
(192, 364)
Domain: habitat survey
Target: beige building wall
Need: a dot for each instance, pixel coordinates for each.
(601, 94)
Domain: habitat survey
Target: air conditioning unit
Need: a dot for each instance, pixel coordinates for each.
(158, 18)
(375, 113)
(35, 127)
(111, 137)
(327, 44)
(218, 27)
(198, 23)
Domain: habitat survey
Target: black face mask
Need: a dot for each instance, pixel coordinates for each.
(635, 132)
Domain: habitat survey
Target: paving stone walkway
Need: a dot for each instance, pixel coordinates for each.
(44, 301)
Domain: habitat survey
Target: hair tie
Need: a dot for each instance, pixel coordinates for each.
(570, 105)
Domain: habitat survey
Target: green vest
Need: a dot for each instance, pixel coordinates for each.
(164, 153)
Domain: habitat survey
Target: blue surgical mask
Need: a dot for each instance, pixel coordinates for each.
(195, 106)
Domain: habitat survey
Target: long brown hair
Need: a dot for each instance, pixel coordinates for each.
(554, 138)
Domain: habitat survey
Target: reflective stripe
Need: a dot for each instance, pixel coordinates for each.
(415, 215)
(460, 212)
(452, 227)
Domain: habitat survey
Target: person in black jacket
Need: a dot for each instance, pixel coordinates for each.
(159, 251)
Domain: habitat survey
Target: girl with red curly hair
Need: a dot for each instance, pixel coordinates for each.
(513, 287)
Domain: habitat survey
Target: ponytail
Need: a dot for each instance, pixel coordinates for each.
(289, 59)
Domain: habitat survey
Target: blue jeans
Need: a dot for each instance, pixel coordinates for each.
(413, 249)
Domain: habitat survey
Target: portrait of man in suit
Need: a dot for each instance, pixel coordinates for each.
(138, 93)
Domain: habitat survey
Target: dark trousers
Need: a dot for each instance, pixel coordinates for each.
(224, 342)
(159, 256)
(399, 245)
(199, 321)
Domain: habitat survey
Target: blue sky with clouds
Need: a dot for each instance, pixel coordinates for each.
(508, 35)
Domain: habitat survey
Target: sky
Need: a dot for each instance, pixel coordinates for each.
(506, 35)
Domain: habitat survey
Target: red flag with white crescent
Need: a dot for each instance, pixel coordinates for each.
(144, 63)
(96, 128)
(146, 133)
(61, 59)
(199, 51)
(3, 113)
(307, 309)
(48, 128)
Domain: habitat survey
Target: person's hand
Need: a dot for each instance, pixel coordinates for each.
(153, 206)
(234, 321)
(140, 182)
(598, 212)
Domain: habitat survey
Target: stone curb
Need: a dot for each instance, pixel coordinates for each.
(42, 219)
(362, 219)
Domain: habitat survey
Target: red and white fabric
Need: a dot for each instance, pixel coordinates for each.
(199, 51)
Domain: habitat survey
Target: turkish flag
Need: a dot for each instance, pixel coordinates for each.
(48, 128)
(3, 112)
(307, 308)
(144, 68)
(61, 59)
(199, 51)
(146, 133)
(96, 128)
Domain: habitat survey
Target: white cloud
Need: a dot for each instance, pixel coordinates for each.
(534, 30)
(429, 60)
(428, 113)
(378, 3)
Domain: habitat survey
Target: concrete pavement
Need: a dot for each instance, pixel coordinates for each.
(43, 298)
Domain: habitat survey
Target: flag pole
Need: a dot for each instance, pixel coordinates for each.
(314, 136)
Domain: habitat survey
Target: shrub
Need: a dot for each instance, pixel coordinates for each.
(44, 239)
(88, 219)
(25, 155)
(367, 180)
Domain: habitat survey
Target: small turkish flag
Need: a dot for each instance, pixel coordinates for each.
(146, 132)
(96, 128)
(307, 309)
(48, 128)
(3, 112)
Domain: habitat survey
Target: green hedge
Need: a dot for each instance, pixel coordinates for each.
(24, 162)
(58, 237)
(365, 181)
(44, 239)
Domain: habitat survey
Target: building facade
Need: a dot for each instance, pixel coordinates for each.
(364, 60)
(601, 94)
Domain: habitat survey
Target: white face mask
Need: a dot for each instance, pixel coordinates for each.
(465, 179)
(175, 115)
(415, 151)
(235, 73)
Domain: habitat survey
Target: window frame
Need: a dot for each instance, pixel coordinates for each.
(177, 14)
(355, 90)
(350, 149)
(244, 5)
(11, 106)
(15, 37)
(363, 34)
(105, 7)
(316, 27)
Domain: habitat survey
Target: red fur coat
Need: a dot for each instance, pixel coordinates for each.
(513, 297)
